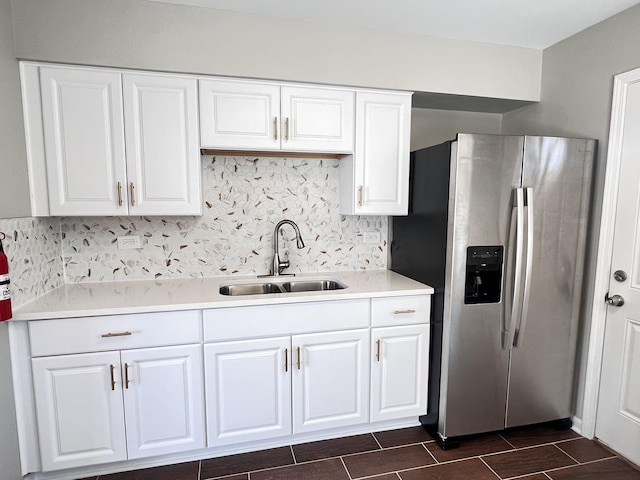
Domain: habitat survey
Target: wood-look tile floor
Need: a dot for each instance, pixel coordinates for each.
(539, 453)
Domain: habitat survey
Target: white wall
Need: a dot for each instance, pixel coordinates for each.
(14, 186)
(431, 127)
(159, 36)
(577, 84)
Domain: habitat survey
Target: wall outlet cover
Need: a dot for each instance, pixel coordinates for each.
(372, 236)
(128, 242)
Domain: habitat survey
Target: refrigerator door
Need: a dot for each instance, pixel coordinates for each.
(485, 172)
(557, 173)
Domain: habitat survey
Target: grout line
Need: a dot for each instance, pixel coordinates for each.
(376, 439)
(487, 465)
(545, 474)
(199, 469)
(577, 462)
(295, 462)
(512, 445)
(429, 452)
(345, 468)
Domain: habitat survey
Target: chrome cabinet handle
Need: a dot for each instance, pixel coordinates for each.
(133, 194)
(120, 194)
(298, 358)
(113, 378)
(275, 128)
(402, 312)
(286, 129)
(360, 196)
(378, 350)
(117, 334)
(126, 375)
(286, 359)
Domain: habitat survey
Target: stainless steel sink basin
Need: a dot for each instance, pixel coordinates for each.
(290, 286)
(313, 285)
(251, 289)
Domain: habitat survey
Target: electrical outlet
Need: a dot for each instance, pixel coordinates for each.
(372, 236)
(128, 242)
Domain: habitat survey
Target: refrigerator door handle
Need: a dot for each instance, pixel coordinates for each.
(516, 306)
(519, 333)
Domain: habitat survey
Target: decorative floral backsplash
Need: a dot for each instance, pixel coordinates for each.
(33, 248)
(244, 198)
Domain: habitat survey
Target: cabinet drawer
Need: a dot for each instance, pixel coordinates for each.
(113, 332)
(404, 310)
(267, 320)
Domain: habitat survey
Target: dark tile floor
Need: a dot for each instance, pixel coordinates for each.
(539, 453)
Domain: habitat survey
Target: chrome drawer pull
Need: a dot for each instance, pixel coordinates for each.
(401, 312)
(118, 334)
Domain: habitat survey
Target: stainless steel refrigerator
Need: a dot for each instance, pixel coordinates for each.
(497, 225)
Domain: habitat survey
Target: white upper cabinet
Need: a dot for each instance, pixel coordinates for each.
(317, 119)
(114, 144)
(237, 114)
(375, 180)
(161, 138)
(83, 139)
(244, 115)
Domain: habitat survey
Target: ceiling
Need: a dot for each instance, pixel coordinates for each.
(534, 24)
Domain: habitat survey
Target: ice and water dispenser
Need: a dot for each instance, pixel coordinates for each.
(483, 283)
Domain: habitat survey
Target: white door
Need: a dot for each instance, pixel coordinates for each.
(317, 119)
(79, 409)
(164, 400)
(84, 141)
(163, 154)
(399, 372)
(248, 390)
(239, 115)
(330, 380)
(618, 416)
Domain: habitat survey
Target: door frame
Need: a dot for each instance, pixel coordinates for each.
(621, 84)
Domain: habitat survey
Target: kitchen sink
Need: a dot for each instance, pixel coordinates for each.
(313, 285)
(285, 287)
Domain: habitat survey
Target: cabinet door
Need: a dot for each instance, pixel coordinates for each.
(399, 372)
(317, 119)
(248, 390)
(381, 162)
(84, 141)
(239, 115)
(163, 155)
(164, 400)
(330, 380)
(79, 409)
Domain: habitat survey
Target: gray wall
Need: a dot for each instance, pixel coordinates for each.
(160, 36)
(431, 127)
(577, 86)
(14, 183)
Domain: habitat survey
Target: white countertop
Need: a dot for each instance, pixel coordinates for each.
(110, 298)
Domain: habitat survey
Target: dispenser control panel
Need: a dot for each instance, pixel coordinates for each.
(483, 279)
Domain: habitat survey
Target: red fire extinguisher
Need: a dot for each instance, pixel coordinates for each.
(5, 290)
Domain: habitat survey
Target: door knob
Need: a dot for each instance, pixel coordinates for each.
(615, 301)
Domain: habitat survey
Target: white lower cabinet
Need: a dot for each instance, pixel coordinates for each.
(248, 389)
(399, 372)
(265, 388)
(102, 407)
(330, 380)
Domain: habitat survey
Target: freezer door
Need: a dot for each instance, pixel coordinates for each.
(558, 171)
(485, 171)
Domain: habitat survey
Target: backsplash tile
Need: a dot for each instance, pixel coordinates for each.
(33, 248)
(244, 197)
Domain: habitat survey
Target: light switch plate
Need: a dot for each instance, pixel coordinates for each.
(128, 242)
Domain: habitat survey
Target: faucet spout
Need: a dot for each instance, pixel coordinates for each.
(278, 265)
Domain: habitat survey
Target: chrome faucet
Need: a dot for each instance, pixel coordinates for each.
(278, 265)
